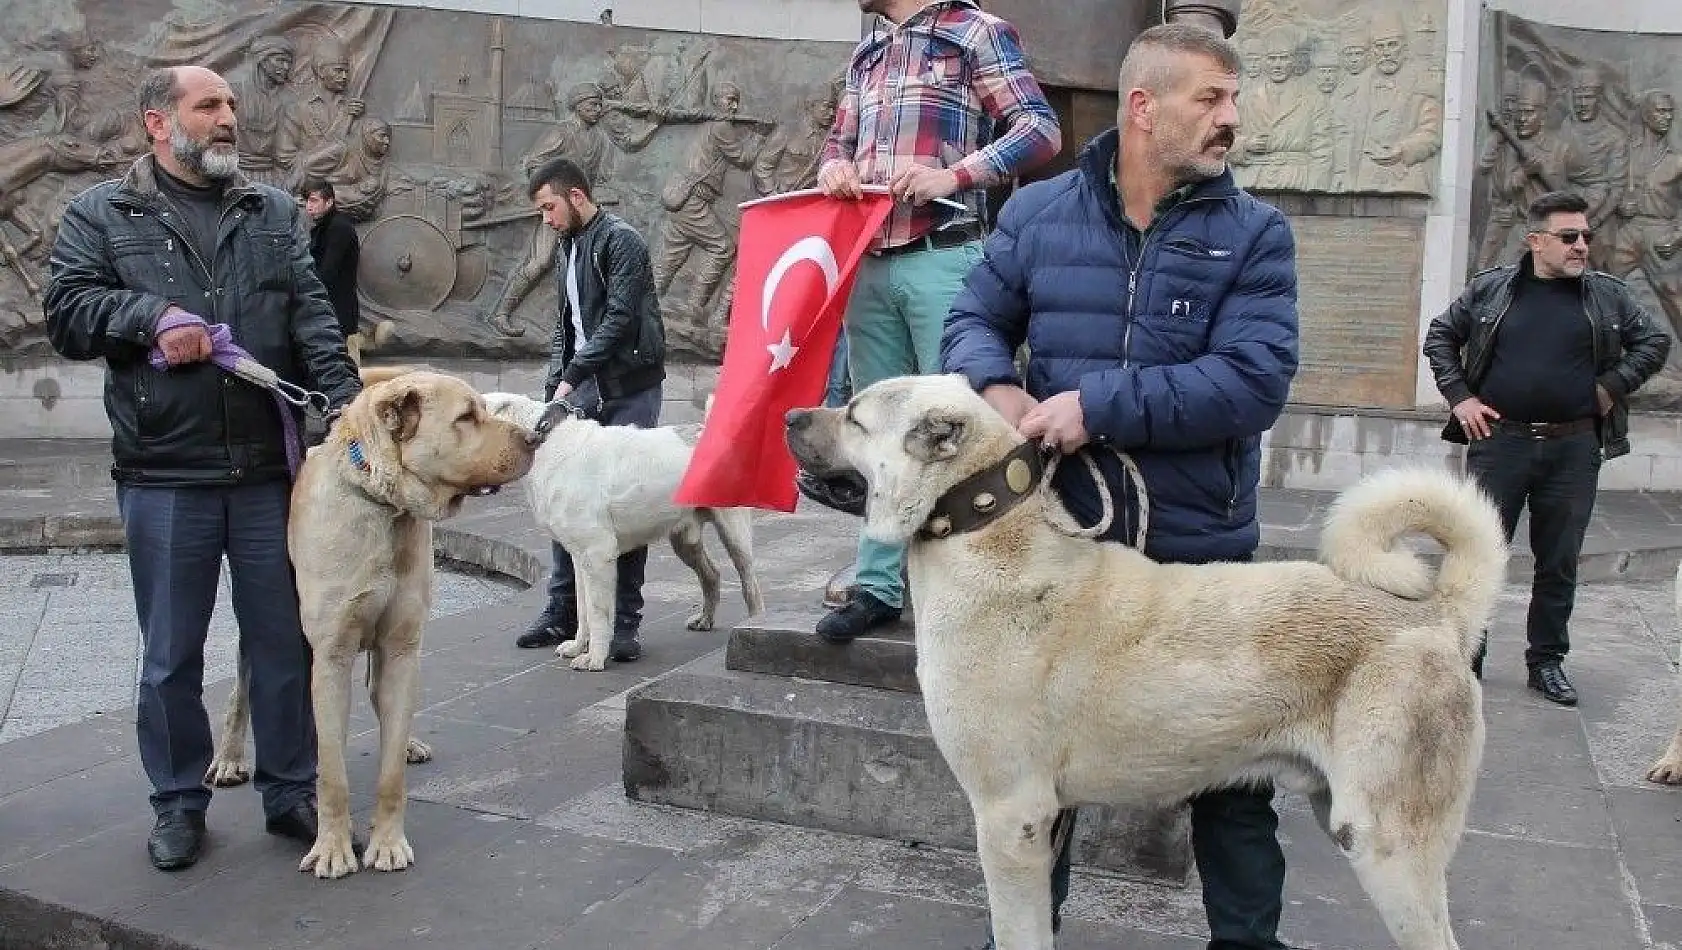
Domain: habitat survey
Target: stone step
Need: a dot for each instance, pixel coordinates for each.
(786, 643)
(843, 758)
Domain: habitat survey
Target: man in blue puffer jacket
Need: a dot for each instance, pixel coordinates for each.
(1158, 304)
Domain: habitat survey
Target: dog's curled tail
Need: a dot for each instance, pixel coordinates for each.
(1359, 543)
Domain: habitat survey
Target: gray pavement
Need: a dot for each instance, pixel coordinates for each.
(524, 837)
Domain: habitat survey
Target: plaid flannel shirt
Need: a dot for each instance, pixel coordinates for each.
(928, 91)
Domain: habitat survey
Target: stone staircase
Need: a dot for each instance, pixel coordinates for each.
(797, 730)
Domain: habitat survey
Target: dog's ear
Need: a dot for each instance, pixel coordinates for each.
(399, 410)
(935, 437)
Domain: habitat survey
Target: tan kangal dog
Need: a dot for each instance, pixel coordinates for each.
(1059, 671)
(406, 452)
(1668, 769)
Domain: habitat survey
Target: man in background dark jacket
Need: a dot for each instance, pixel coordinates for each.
(1537, 360)
(336, 251)
(1159, 305)
(607, 357)
(139, 270)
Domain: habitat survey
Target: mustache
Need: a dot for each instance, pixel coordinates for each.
(1223, 138)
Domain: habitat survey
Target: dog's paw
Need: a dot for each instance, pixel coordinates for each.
(1666, 771)
(569, 649)
(589, 663)
(332, 857)
(418, 751)
(388, 850)
(700, 620)
(227, 773)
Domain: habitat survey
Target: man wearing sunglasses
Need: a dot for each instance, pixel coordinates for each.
(1537, 360)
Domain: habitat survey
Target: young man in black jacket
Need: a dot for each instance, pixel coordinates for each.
(1537, 361)
(607, 356)
(140, 268)
(336, 251)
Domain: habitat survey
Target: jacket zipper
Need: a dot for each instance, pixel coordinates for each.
(1133, 277)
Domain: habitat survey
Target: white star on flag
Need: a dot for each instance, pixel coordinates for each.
(782, 352)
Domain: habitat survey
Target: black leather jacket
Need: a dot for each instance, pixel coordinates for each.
(624, 344)
(1628, 348)
(121, 258)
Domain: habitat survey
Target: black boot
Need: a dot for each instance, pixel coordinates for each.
(861, 614)
(551, 628)
(1549, 680)
(176, 840)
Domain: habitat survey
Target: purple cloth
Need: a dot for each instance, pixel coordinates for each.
(224, 352)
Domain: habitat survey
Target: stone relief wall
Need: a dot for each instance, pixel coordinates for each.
(426, 122)
(1340, 96)
(1592, 112)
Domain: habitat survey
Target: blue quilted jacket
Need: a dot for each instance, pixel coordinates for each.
(1182, 342)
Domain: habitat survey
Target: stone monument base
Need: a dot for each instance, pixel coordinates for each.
(801, 731)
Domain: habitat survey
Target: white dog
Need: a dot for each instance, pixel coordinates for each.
(1668, 769)
(604, 490)
(1059, 671)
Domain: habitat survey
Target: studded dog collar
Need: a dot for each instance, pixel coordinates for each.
(983, 497)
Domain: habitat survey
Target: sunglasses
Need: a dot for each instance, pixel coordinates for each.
(1570, 236)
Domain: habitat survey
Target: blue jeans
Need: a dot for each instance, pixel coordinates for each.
(638, 409)
(894, 321)
(177, 538)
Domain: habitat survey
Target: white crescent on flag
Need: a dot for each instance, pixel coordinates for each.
(814, 249)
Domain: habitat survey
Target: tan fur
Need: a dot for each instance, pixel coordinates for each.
(1668, 769)
(1058, 671)
(361, 549)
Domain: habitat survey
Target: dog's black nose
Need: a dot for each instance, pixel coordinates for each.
(797, 419)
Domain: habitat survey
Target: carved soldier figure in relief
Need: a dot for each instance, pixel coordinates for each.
(692, 220)
(1596, 158)
(263, 100)
(1649, 232)
(1332, 132)
(1279, 153)
(324, 116)
(1349, 100)
(1519, 172)
(360, 180)
(589, 140)
(1404, 119)
(791, 163)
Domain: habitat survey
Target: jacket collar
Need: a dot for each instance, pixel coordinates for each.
(140, 185)
(883, 31)
(1097, 164)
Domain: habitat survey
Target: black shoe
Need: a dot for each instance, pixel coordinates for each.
(860, 615)
(1478, 657)
(176, 840)
(624, 648)
(298, 822)
(1549, 680)
(548, 630)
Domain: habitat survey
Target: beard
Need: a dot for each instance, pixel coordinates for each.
(1191, 166)
(202, 158)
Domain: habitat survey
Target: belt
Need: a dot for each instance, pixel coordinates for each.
(1546, 430)
(934, 240)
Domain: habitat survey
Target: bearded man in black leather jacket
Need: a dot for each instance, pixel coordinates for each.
(608, 358)
(140, 268)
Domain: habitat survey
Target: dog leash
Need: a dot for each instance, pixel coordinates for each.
(1055, 457)
(231, 358)
(552, 414)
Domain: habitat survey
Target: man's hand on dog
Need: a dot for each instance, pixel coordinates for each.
(1012, 402)
(1058, 421)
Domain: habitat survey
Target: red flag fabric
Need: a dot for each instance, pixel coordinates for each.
(797, 255)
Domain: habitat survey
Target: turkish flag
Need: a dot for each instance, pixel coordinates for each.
(796, 258)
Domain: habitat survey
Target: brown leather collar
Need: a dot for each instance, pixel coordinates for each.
(981, 498)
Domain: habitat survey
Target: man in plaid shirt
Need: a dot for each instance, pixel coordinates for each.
(925, 93)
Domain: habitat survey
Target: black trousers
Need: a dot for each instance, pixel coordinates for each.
(1557, 479)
